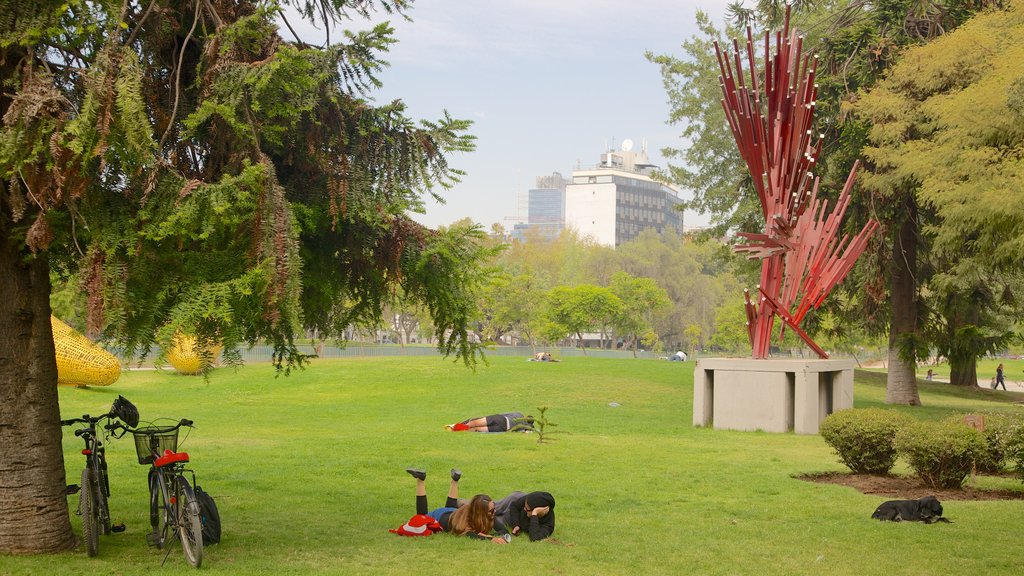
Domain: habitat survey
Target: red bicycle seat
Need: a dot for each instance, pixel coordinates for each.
(170, 458)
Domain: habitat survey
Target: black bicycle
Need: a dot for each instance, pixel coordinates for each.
(94, 491)
(174, 511)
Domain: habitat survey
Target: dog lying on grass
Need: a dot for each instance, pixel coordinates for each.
(927, 510)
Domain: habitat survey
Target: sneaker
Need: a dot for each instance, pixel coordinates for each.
(417, 473)
(456, 474)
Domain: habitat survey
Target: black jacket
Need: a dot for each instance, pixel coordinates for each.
(512, 511)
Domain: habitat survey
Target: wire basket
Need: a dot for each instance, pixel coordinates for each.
(150, 439)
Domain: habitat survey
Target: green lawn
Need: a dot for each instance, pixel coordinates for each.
(308, 472)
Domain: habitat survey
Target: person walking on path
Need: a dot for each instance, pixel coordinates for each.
(999, 377)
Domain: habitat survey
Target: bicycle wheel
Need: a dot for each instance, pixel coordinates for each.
(189, 522)
(159, 513)
(102, 491)
(87, 508)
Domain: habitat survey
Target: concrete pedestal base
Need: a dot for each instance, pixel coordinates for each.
(770, 395)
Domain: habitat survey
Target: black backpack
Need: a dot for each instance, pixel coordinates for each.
(209, 516)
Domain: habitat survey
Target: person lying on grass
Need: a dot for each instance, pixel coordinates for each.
(532, 513)
(506, 422)
(476, 519)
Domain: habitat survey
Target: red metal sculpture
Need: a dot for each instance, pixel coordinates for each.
(802, 256)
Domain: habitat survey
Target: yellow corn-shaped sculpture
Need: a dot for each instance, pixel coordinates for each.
(80, 362)
(184, 354)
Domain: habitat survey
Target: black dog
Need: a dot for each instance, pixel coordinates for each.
(927, 510)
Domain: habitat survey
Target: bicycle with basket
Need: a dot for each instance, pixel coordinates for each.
(94, 491)
(175, 512)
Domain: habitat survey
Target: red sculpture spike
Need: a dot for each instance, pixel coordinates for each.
(802, 255)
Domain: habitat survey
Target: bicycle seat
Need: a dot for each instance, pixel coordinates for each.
(170, 457)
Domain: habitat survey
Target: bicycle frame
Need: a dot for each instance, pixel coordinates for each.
(94, 490)
(174, 510)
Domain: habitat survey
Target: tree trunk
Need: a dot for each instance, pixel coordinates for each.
(963, 372)
(33, 503)
(901, 383)
(963, 312)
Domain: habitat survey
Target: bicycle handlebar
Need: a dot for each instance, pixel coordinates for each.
(165, 429)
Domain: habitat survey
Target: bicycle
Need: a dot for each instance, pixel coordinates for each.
(94, 491)
(174, 512)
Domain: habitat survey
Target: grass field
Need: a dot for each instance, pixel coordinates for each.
(308, 473)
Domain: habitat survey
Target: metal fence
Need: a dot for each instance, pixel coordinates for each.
(262, 353)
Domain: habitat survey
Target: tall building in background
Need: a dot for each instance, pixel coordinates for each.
(617, 200)
(546, 213)
(545, 209)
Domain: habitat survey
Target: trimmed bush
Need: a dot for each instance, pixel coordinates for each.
(999, 429)
(863, 438)
(1015, 450)
(941, 453)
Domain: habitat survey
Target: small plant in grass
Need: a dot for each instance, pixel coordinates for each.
(543, 426)
(943, 453)
(863, 438)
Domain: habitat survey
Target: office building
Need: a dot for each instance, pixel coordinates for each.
(617, 200)
(545, 209)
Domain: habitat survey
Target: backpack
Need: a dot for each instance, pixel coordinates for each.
(209, 516)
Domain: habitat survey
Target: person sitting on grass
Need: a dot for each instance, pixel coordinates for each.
(532, 513)
(509, 421)
(476, 519)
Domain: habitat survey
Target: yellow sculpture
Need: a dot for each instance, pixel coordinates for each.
(80, 362)
(184, 354)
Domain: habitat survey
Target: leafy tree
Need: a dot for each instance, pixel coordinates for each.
(580, 309)
(697, 277)
(710, 165)
(857, 41)
(731, 327)
(947, 122)
(513, 305)
(642, 301)
(694, 335)
(199, 173)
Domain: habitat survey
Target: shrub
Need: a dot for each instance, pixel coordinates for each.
(1015, 450)
(943, 453)
(863, 438)
(999, 430)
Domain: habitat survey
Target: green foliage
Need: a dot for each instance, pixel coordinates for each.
(943, 125)
(695, 277)
(1015, 450)
(864, 438)
(999, 433)
(222, 182)
(710, 165)
(731, 328)
(941, 454)
(642, 302)
(580, 309)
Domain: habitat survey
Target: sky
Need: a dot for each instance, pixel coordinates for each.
(549, 85)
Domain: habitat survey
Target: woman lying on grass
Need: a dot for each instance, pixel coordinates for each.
(475, 519)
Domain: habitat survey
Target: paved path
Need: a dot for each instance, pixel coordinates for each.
(1011, 385)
